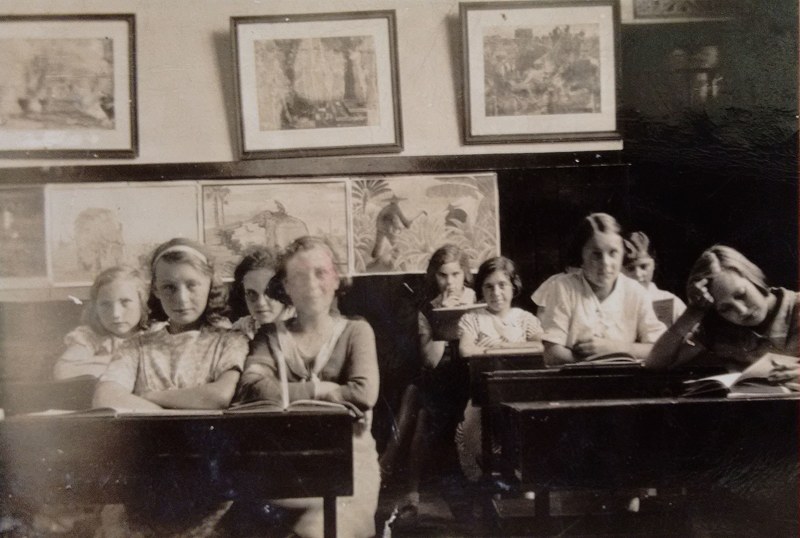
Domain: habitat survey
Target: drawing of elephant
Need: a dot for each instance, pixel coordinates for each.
(98, 239)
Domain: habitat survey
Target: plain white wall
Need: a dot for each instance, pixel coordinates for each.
(185, 94)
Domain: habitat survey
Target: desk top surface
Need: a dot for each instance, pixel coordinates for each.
(628, 402)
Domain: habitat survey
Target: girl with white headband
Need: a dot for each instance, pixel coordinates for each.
(192, 362)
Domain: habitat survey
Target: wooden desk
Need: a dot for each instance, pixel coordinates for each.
(499, 360)
(127, 459)
(747, 446)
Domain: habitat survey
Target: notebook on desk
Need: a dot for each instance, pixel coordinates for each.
(752, 382)
(444, 321)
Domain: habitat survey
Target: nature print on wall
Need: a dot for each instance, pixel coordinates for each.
(316, 83)
(322, 83)
(399, 222)
(22, 236)
(540, 71)
(535, 70)
(57, 84)
(237, 216)
(67, 86)
(91, 227)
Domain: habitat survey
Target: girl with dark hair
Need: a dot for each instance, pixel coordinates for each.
(433, 405)
(250, 306)
(597, 309)
(497, 325)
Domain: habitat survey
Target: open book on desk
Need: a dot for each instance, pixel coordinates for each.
(444, 320)
(752, 382)
(614, 358)
(261, 406)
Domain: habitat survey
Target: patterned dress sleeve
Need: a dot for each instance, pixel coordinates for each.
(124, 366)
(533, 327)
(234, 348)
(469, 326)
(83, 336)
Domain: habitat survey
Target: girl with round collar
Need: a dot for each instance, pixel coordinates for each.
(733, 314)
(597, 309)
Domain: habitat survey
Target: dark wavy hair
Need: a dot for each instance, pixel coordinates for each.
(498, 263)
(112, 274)
(216, 306)
(255, 258)
(590, 225)
(447, 253)
(276, 289)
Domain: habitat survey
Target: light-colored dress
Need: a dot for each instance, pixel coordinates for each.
(102, 348)
(574, 312)
(159, 360)
(352, 363)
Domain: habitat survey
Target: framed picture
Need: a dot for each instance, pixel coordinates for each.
(239, 215)
(540, 71)
(68, 86)
(321, 84)
(399, 221)
(94, 226)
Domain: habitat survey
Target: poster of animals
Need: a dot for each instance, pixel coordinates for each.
(91, 227)
(22, 237)
(241, 215)
(398, 222)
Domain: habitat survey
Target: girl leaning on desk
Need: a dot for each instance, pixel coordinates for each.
(733, 315)
(324, 356)
(192, 361)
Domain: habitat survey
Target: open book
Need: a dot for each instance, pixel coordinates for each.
(260, 406)
(444, 320)
(613, 358)
(751, 382)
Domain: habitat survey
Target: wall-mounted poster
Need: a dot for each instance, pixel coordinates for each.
(240, 215)
(91, 227)
(67, 86)
(398, 222)
(22, 237)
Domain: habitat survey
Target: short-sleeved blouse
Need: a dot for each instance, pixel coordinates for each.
(626, 314)
(159, 360)
(518, 326)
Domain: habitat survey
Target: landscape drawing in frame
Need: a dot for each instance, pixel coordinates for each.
(540, 71)
(240, 215)
(68, 86)
(399, 221)
(317, 84)
(23, 262)
(94, 226)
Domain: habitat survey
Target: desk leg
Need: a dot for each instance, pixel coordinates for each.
(329, 516)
